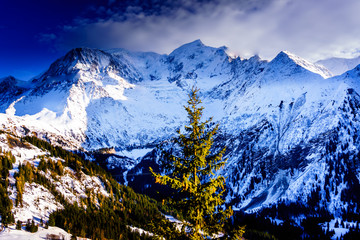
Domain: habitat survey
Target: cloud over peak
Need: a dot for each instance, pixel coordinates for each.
(311, 29)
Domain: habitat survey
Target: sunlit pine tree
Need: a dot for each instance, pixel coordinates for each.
(192, 173)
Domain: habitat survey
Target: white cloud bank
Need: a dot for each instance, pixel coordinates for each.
(313, 29)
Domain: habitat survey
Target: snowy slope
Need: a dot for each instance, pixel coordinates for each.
(280, 119)
(13, 234)
(339, 65)
(41, 179)
(38, 201)
(291, 126)
(10, 90)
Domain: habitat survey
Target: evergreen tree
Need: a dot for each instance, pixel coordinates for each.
(18, 225)
(20, 185)
(31, 226)
(192, 174)
(6, 162)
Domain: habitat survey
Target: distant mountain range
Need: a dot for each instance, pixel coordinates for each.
(290, 126)
(339, 65)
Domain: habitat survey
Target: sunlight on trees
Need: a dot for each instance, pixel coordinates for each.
(193, 174)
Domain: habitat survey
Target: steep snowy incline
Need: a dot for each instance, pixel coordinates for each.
(10, 90)
(195, 63)
(318, 69)
(288, 65)
(279, 148)
(150, 114)
(151, 66)
(281, 83)
(89, 60)
(339, 66)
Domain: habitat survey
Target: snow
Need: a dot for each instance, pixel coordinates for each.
(276, 220)
(38, 203)
(11, 233)
(140, 231)
(339, 66)
(22, 154)
(177, 222)
(339, 231)
(74, 188)
(321, 70)
(134, 153)
(53, 101)
(173, 219)
(133, 101)
(136, 114)
(304, 182)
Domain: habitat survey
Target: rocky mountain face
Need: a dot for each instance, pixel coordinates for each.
(290, 127)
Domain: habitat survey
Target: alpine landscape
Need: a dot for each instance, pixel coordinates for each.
(83, 144)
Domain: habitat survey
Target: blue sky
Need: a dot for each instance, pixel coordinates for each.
(35, 33)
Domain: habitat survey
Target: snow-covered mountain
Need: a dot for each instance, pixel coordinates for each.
(10, 90)
(290, 127)
(339, 65)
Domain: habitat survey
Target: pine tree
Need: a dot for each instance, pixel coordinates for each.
(192, 174)
(18, 225)
(20, 185)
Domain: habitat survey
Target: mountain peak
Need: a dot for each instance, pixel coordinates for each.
(84, 55)
(79, 58)
(11, 80)
(286, 56)
(84, 51)
(189, 48)
(197, 42)
(288, 59)
(8, 79)
(255, 58)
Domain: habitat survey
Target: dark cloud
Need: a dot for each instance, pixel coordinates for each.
(311, 29)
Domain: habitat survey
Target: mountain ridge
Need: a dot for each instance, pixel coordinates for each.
(276, 117)
(339, 66)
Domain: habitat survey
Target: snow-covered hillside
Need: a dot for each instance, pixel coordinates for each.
(339, 65)
(39, 201)
(43, 186)
(288, 124)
